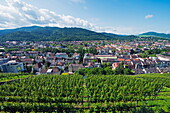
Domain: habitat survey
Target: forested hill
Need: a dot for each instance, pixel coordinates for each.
(120, 37)
(162, 35)
(36, 33)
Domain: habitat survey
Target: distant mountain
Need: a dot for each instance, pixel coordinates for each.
(120, 37)
(162, 35)
(7, 31)
(36, 33)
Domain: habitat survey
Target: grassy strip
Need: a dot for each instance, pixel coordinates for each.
(14, 78)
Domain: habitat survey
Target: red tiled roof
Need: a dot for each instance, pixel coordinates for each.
(55, 69)
(120, 59)
(128, 60)
(43, 70)
(27, 60)
(136, 59)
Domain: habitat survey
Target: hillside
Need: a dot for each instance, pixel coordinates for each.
(7, 31)
(120, 37)
(36, 33)
(163, 35)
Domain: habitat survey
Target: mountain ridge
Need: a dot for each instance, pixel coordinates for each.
(156, 34)
(37, 33)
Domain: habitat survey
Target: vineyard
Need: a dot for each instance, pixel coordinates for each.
(75, 93)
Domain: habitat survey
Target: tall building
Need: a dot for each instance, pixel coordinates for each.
(12, 67)
(3, 60)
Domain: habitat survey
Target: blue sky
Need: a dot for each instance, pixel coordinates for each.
(116, 16)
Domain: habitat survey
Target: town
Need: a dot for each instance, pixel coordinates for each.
(67, 57)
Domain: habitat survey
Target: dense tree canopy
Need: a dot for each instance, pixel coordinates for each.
(106, 70)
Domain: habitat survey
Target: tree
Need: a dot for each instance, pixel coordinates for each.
(43, 61)
(104, 65)
(29, 69)
(94, 60)
(2, 50)
(81, 51)
(47, 64)
(143, 55)
(127, 71)
(34, 62)
(122, 70)
(92, 50)
(11, 49)
(132, 51)
(69, 51)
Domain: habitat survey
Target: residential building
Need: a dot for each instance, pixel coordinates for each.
(75, 67)
(12, 67)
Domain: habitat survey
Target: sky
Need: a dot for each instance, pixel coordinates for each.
(124, 17)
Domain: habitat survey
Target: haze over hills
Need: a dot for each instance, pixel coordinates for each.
(36, 33)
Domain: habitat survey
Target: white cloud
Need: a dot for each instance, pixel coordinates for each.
(16, 13)
(149, 16)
